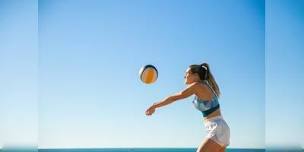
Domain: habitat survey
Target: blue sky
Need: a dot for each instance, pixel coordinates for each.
(84, 84)
(18, 73)
(284, 73)
(91, 52)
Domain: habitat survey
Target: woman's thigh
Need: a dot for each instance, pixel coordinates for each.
(222, 149)
(209, 145)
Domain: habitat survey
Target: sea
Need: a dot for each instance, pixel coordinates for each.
(144, 150)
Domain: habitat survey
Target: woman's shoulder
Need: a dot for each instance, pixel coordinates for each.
(199, 87)
(200, 84)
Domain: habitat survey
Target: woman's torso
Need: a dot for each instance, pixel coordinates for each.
(207, 94)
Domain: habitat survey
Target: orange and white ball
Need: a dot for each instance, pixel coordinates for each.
(148, 74)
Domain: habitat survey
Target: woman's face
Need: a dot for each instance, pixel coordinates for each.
(190, 77)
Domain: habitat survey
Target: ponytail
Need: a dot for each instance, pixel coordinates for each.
(204, 73)
(209, 77)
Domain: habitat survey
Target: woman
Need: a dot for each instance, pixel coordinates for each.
(201, 83)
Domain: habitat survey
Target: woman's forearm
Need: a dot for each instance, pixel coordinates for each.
(164, 102)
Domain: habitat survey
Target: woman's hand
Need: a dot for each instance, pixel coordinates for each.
(150, 110)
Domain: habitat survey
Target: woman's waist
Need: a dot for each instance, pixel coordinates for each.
(214, 115)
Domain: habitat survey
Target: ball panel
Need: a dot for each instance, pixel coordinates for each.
(148, 74)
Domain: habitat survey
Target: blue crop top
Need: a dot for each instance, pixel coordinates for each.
(206, 106)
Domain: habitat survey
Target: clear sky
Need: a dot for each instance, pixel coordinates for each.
(90, 53)
(18, 72)
(284, 73)
(85, 74)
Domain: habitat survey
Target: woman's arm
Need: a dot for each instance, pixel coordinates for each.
(190, 90)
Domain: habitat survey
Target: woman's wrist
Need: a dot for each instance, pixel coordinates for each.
(154, 105)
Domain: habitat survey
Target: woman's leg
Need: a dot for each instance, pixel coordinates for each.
(222, 150)
(209, 145)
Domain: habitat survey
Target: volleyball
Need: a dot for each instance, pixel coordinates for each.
(148, 74)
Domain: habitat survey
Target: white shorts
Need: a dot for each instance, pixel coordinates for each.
(218, 130)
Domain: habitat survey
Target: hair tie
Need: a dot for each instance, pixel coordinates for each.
(206, 73)
(204, 67)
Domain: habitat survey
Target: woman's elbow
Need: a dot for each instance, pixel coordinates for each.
(175, 97)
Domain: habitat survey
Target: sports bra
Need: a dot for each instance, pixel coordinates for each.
(206, 106)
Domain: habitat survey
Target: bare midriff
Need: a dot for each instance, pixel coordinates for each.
(213, 114)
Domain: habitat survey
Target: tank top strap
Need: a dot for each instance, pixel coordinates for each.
(207, 83)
